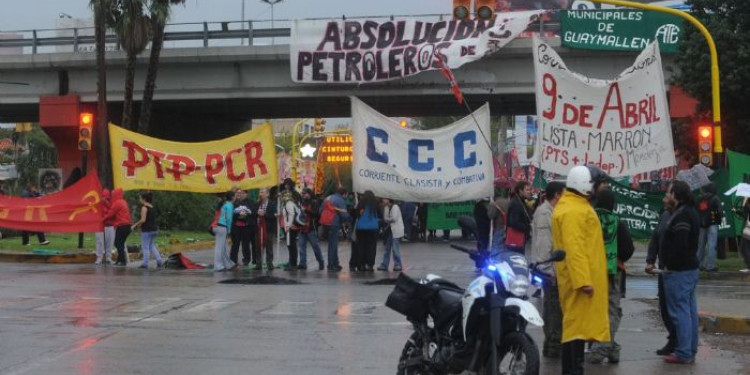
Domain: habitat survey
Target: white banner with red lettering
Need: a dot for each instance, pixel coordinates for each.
(621, 125)
(370, 50)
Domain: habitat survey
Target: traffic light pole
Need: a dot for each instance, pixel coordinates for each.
(84, 169)
(715, 82)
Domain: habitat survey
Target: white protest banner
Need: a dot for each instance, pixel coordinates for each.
(621, 126)
(369, 50)
(449, 164)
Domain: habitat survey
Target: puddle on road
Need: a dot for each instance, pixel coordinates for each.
(261, 280)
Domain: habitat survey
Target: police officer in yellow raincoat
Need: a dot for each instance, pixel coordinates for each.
(582, 276)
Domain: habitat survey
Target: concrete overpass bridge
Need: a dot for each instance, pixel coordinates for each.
(206, 87)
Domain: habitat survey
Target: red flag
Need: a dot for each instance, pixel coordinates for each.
(448, 74)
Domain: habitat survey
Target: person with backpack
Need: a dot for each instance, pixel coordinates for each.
(332, 213)
(618, 246)
(291, 215)
(709, 210)
(308, 231)
(366, 232)
(147, 222)
(540, 250)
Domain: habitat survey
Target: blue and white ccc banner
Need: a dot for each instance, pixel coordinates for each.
(450, 164)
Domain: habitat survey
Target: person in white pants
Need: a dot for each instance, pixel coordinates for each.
(105, 241)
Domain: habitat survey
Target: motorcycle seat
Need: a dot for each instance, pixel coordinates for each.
(445, 284)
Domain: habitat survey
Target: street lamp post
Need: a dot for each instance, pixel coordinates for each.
(272, 3)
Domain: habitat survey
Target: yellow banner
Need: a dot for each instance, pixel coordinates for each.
(247, 160)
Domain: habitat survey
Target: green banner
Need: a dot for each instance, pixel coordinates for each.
(638, 209)
(445, 215)
(620, 30)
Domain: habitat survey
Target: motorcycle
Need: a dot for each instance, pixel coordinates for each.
(480, 329)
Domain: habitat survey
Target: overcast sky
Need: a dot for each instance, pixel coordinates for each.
(41, 14)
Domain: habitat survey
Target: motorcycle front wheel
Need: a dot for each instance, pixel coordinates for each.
(517, 355)
(412, 350)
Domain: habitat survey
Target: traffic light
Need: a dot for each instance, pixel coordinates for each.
(461, 9)
(485, 9)
(85, 130)
(705, 145)
(320, 125)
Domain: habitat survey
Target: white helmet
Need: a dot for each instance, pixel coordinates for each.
(583, 179)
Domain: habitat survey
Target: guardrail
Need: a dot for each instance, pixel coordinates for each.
(183, 35)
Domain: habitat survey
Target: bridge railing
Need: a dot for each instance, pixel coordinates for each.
(185, 35)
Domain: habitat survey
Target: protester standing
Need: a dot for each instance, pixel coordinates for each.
(482, 220)
(333, 212)
(681, 272)
(290, 211)
(221, 231)
(392, 216)
(519, 219)
(618, 246)
(32, 191)
(709, 209)
(366, 232)
(655, 250)
(147, 222)
(309, 231)
(409, 212)
(497, 212)
(745, 246)
(119, 215)
(582, 276)
(244, 221)
(541, 250)
(105, 240)
(267, 214)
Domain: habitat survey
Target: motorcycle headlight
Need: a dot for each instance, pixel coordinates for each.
(519, 286)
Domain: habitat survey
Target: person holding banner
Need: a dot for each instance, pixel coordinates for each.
(147, 222)
(333, 212)
(119, 215)
(519, 219)
(222, 262)
(105, 240)
(366, 232)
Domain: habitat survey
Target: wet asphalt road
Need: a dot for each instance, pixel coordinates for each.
(82, 319)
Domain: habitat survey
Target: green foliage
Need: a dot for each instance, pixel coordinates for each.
(177, 210)
(728, 21)
(41, 154)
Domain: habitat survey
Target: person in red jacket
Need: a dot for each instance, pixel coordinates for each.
(119, 215)
(105, 240)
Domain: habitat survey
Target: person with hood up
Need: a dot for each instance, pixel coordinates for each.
(582, 277)
(105, 240)
(709, 208)
(119, 215)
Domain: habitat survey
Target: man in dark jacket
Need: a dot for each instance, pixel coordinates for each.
(519, 217)
(679, 254)
(709, 209)
(244, 223)
(267, 221)
(654, 252)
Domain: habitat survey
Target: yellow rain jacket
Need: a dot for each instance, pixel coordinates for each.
(576, 229)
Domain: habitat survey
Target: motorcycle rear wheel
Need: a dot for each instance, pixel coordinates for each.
(412, 349)
(518, 355)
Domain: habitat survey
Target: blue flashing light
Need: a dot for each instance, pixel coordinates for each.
(492, 267)
(538, 280)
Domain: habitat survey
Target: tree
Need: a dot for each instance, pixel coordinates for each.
(133, 27)
(101, 8)
(160, 11)
(728, 21)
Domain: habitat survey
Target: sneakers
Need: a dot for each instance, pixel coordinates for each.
(302, 267)
(257, 267)
(674, 359)
(108, 261)
(594, 358)
(143, 266)
(666, 350)
(98, 261)
(382, 268)
(44, 243)
(397, 269)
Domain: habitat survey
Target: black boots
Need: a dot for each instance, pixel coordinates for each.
(572, 357)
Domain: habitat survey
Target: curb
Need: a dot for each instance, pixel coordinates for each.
(90, 257)
(711, 323)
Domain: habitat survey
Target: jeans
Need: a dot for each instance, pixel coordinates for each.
(611, 349)
(302, 240)
(707, 247)
(121, 235)
(498, 240)
(664, 312)
(148, 247)
(391, 245)
(333, 246)
(682, 305)
(105, 242)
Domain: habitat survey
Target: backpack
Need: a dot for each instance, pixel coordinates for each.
(328, 214)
